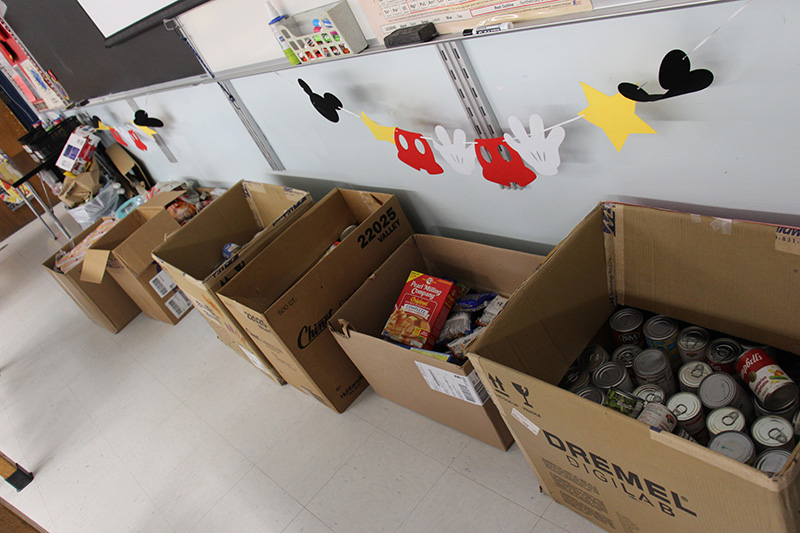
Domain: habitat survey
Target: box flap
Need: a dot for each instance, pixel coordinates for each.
(268, 202)
(135, 251)
(121, 159)
(159, 202)
(94, 265)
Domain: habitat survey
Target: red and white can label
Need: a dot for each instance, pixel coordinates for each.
(761, 373)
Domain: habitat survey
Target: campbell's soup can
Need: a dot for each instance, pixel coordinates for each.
(691, 374)
(625, 354)
(658, 416)
(772, 432)
(692, 344)
(661, 332)
(689, 411)
(725, 419)
(652, 366)
(736, 445)
(592, 357)
(722, 355)
(651, 393)
(628, 327)
(576, 378)
(765, 378)
(721, 390)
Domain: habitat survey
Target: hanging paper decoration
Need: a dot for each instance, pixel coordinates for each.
(98, 124)
(327, 105)
(615, 115)
(136, 139)
(151, 132)
(414, 151)
(502, 164)
(141, 118)
(538, 151)
(381, 133)
(117, 137)
(675, 76)
(457, 152)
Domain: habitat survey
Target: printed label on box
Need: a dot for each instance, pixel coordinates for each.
(468, 388)
(255, 360)
(533, 428)
(787, 239)
(179, 304)
(162, 284)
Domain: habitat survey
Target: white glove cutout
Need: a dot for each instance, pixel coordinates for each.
(537, 151)
(458, 153)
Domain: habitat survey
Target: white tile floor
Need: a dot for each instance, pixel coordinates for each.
(162, 428)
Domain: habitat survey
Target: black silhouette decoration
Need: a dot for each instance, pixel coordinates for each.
(675, 76)
(327, 105)
(141, 118)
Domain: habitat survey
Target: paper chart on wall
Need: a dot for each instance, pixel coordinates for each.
(385, 16)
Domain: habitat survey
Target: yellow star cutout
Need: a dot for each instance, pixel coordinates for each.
(150, 131)
(381, 133)
(615, 115)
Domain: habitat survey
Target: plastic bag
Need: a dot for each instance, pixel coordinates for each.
(104, 204)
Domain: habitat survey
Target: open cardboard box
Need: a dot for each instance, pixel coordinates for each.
(737, 277)
(249, 214)
(284, 297)
(105, 303)
(125, 252)
(446, 392)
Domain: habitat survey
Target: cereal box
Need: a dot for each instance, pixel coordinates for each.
(420, 311)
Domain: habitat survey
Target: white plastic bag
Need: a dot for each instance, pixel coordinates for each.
(104, 204)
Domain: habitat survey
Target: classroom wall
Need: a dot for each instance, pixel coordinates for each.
(728, 150)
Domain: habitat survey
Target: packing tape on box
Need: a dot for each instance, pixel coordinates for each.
(722, 225)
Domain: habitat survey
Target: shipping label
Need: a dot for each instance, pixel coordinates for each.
(467, 388)
(162, 283)
(179, 304)
(255, 360)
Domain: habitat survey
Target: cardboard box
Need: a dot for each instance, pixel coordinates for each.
(125, 252)
(77, 153)
(249, 214)
(105, 303)
(82, 187)
(284, 297)
(732, 276)
(407, 377)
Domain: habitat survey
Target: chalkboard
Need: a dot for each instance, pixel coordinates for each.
(63, 39)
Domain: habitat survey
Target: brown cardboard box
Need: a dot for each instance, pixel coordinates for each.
(284, 297)
(726, 275)
(410, 378)
(105, 303)
(77, 190)
(125, 251)
(249, 214)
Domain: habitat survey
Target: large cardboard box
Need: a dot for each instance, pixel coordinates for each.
(250, 215)
(125, 252)
(726, 275)
(105, 303)
(284, 297)
(448, 393)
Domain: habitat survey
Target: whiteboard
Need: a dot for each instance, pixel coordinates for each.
(110, 16)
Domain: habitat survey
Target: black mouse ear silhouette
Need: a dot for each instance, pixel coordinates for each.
(95, 122)
(327, 105)
(141, 118)
(675, 76)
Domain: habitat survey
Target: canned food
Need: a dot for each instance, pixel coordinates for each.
(725, 419)
(650, 392)
(721, 390)
(722, 354)
(627, 325)
(796, 423)
(691, 374)
(592, 357)
(625, 354)
(612, 374)
(661, 332)
(624, 402)
(734, 444)
(652, 366)
(765, 378)
(575, 378)
(592, 393)
(689, 411)
(658, 416)
(772, 461)
(788, 412)
(773, 432)
(692, 344)
(682, 433)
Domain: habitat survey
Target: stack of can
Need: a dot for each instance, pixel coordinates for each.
(720, 392)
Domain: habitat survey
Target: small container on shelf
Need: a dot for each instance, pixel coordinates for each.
(326, 32)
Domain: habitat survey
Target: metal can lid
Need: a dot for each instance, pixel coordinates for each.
(574, 378)
(685, 405)
(782, 397)
(723, 350)
(692, 338)
(772, 431)
(772, 461)
(650, 392)
(734, 444)
(660, 327)
(725, 419)
(650, 362)
(609, 375)
(691, 374)
(789, 409)
(592, 393)
(592, 357)
(717, 390)
(625, 354)
(627, 319)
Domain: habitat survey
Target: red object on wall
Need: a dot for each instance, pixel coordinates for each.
(136, 140)
(502, 164)
(414, 151)
(117, 137)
